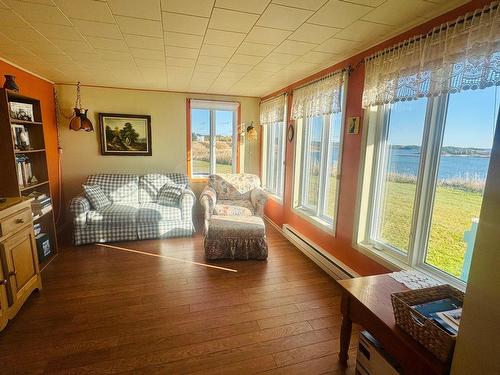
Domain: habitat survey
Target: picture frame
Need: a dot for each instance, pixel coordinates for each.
(353, 125)
(125, 134)
(21, 111)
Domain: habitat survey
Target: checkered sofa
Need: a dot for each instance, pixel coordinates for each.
(134, 213)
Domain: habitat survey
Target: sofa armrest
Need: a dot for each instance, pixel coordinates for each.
(79, 206)
(186, 203)
(258, 197)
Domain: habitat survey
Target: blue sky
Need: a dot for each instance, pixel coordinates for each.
(470, 121)
(200, 122)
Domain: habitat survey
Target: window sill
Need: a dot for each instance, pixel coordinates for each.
(396, 265)
(275, 198)
(316, 221)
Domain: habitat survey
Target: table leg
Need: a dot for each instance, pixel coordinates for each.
(345, 330)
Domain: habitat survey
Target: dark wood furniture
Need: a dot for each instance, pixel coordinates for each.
(367, 301)
(9, 184)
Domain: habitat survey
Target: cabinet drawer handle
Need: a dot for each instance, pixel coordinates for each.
(19, 221)
(3, 282)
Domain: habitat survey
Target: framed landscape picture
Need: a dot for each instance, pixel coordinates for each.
(125, 134)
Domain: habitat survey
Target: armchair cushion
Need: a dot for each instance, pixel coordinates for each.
(96, 196)
(170, 194)
(233, 208)
(233, 186)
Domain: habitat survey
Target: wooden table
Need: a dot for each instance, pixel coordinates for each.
(367, 301)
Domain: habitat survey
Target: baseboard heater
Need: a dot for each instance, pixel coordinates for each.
(331, 265)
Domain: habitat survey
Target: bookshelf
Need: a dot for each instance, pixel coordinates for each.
(14, 179)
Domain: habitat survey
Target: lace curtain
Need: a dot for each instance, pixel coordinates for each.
(461, 55)
(318, 98)
(272, 110)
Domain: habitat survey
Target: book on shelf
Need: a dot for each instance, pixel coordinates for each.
(446, 313)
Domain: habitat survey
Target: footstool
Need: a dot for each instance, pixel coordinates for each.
(236, 237)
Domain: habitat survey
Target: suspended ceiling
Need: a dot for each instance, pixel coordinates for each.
(237, 47)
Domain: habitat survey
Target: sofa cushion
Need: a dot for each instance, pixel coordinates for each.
(154, 212)
(119, 188)
(150, 184)
(170, 194)
(113, 214)
(96, 196)
(233, 208)
(233, 186)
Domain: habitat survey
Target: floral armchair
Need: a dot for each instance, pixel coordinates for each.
(233, 195)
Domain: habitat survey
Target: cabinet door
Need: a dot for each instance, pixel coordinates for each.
(21, 261)
(3, 299)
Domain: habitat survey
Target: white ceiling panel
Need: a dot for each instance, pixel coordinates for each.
(234, 47)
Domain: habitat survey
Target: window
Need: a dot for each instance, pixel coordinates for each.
(428, 161)
(274, 158)
(317, 164)
(214, 145)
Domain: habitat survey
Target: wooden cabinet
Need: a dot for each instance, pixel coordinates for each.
(19, 270)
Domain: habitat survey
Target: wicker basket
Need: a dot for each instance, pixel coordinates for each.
(424, 330)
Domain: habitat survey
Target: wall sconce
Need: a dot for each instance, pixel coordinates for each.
(250, 132)
(80, 120)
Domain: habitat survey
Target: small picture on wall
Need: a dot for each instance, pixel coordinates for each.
(353, 125)
(21, 111)
(125, 134)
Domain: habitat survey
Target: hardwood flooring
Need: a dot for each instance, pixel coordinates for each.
(106, 311)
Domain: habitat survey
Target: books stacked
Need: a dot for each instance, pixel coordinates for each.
(24, 171)
(41, 204)
(446, 313)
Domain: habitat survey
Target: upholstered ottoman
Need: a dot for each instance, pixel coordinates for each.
(236, 237)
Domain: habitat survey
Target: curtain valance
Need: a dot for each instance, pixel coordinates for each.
(321, 97)
(273, 110)
(459, 55)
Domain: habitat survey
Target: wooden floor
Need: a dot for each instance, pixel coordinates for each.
(109, 311)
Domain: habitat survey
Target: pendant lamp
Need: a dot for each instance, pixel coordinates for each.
(80, 120)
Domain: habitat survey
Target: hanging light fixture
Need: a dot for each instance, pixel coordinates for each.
(80, 120)
(251, 132)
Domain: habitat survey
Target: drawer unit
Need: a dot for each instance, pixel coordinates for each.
(15, 222)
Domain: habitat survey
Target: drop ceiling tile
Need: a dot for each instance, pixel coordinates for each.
(200, 76)
(146, 42)
(363, 31)
(51, 31)
(217, 51)
(146, 63)
(85, 57)
(253, 6)
(245, 59)
(213, 60)
(280, 58)
(149, 9)
(301, 66)
(304, 4)
(224, 38)
(371, 3)
(255, 49)
(313, 33)
(149, 54)
(316, 57)
(115, 55)
(56, 58)
(86, 10)
(139, 26)
(182, 23)
(182, 62)
(126, 64)
(294, 48)
(398, 12)
(281, 17)
(38, 12)
(266, 35)
(334, 45)
(243, 68)
(269, 67)
(98, 29)
(72, 45)
(229, 20)
(208, 68)
(9, 18)
(201, 8)
(229, 75)
(339, 14)
(24, 35)
(183, 40)
(108, 44)
(188, 53)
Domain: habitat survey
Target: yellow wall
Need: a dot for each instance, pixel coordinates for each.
(81, 151)
(478, 343)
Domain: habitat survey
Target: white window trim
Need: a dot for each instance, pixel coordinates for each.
(212, 107)
(385, 255)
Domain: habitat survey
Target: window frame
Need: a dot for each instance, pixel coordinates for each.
(316, 216)
(212, 147)
(432, 141)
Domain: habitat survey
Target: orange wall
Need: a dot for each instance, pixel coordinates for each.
(341, 245)
(38, 88)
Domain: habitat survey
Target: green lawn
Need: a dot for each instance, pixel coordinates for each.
(204, 166)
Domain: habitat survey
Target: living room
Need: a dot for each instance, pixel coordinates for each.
(269, 186)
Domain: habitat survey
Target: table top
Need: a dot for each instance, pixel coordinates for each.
(374, 293)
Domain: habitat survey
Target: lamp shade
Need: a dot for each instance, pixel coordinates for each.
(80, 121)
